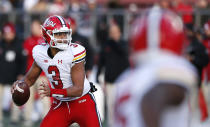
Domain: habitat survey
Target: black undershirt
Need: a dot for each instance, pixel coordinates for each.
(49, 53)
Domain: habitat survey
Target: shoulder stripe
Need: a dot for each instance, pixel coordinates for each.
(80, 53)
(80, 60)
(80, 56)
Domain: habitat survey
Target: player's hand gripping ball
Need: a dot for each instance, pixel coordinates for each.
(20, 93)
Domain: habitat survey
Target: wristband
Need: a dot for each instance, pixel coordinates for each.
(58, 92)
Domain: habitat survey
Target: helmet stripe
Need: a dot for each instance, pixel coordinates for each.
(153, 36)
(61, 20)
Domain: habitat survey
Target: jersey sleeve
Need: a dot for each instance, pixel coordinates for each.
(35, 52)
(181, 76)
(79, 53)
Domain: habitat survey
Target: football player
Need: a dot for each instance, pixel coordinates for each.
(63, 64)
(155, 92)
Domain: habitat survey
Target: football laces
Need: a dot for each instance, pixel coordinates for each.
(19, 89)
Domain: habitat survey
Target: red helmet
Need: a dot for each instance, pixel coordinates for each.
(157, 30)
(53, 25)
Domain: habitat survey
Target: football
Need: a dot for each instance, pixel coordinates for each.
(21, 93)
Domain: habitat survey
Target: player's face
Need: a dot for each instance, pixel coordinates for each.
(60, 36)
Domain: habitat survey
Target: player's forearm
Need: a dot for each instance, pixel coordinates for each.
(30, 82)
(30, 78)
(32, 75)
(74, 91)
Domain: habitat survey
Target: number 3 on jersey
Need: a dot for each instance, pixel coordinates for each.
(57, 82)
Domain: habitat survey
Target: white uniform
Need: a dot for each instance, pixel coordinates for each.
(134, 84)
(58, 68)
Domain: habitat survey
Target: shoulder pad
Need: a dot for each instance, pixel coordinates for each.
(38, 48)
(180, 75)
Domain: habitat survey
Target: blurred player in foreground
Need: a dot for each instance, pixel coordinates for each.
(155, 92)
(63, 64)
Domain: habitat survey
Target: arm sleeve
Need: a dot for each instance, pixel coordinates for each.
(34, 53)
(79, 53)
(180, 75)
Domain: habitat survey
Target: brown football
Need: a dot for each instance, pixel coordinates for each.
(21, 93)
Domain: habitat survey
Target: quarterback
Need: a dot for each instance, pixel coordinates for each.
(63, 64)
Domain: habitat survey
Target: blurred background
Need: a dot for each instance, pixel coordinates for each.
(102, 27)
